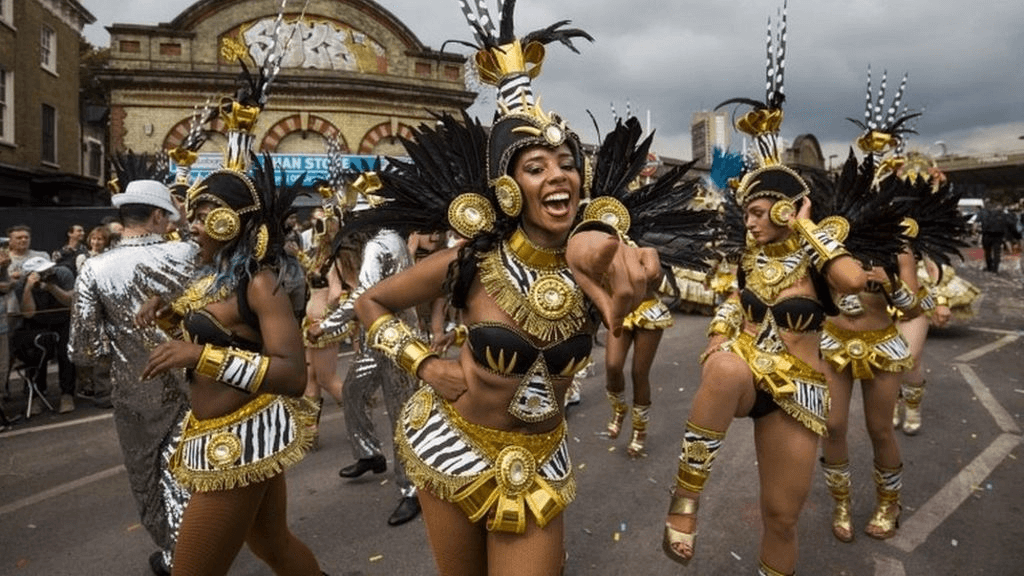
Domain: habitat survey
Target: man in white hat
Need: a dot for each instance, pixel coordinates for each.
(110, 289)
(45, 294)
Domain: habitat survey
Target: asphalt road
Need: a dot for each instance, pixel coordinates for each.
(65, 507)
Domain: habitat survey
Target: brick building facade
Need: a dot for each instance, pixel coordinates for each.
(351, 71)
(41, 144)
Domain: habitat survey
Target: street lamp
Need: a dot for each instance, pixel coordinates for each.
(830, 157)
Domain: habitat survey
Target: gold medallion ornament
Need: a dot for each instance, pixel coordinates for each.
(782, 212)
(551, 297)
(510, 197)
(772, 268)
(837, 227)
(469, 214)
(516, 470)
(609, 211)
(533, 285)
(223, 449)
(262, 241)
(222, 224)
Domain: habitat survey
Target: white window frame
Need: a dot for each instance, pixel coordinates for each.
(7, 12)
(56, 137)
(48, 49)
(90, 142)
(7, 104)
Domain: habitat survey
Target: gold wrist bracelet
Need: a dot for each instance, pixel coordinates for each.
(392, 337)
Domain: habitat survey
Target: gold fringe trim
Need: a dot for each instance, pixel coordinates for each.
(758, 280)
(507, 296)
(198, 295)
(303, 414)
(636, 320)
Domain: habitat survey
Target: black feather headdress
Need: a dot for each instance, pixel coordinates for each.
(659, 214)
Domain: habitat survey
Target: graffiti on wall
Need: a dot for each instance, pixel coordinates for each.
(309, 44)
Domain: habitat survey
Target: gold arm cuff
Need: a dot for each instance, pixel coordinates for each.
(211, 360)
(240, 369)
(393, 338)
(821, 245)
(941, 301)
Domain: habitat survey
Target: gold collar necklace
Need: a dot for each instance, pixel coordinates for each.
(520, 245)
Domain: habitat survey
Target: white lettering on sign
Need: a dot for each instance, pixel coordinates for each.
(317, 45)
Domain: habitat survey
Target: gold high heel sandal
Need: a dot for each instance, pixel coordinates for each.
(700, 447)
(912, 394)
(837, 478)
(619, 409)
(686, 507)
(886, 517)
(640, 416)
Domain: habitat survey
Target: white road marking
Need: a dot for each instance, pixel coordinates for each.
(918, 527)
(62, 489)
(979, 352)
(1003, 419)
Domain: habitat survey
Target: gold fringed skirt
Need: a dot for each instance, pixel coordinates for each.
(504, 476)
(256, 442)
(797, 388)
(865, 351)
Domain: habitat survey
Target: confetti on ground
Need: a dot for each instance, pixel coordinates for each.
(681, 389)
(576, 438)
(611, 448)
(954, 543)
(376, 558)
(735, 555)
(384, 481)
(652, 480)
(1018, 391)
(622, 527)
(616, 536)
(582, 466)
(587, 530)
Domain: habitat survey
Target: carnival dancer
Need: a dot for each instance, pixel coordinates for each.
(243, 349)
(933, 221)
(526, 289)
(110, 289)
(862, 342)
(762, 358)
(326, 288)
(381, 254)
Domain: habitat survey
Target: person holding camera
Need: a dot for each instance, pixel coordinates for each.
(45, 294)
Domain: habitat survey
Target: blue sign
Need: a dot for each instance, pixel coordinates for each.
(314, 166)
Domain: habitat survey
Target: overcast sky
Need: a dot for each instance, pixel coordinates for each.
(672, 58)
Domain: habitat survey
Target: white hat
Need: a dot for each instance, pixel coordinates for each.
(148, 192)
(36, 264)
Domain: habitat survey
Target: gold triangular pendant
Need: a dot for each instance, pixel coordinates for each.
(534, 400)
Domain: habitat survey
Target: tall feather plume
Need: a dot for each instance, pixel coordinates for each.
(879, 118)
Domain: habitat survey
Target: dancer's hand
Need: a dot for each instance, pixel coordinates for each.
(444, 376)
(940, 316)
(172, 354)
(150, 310)
(613, 274)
